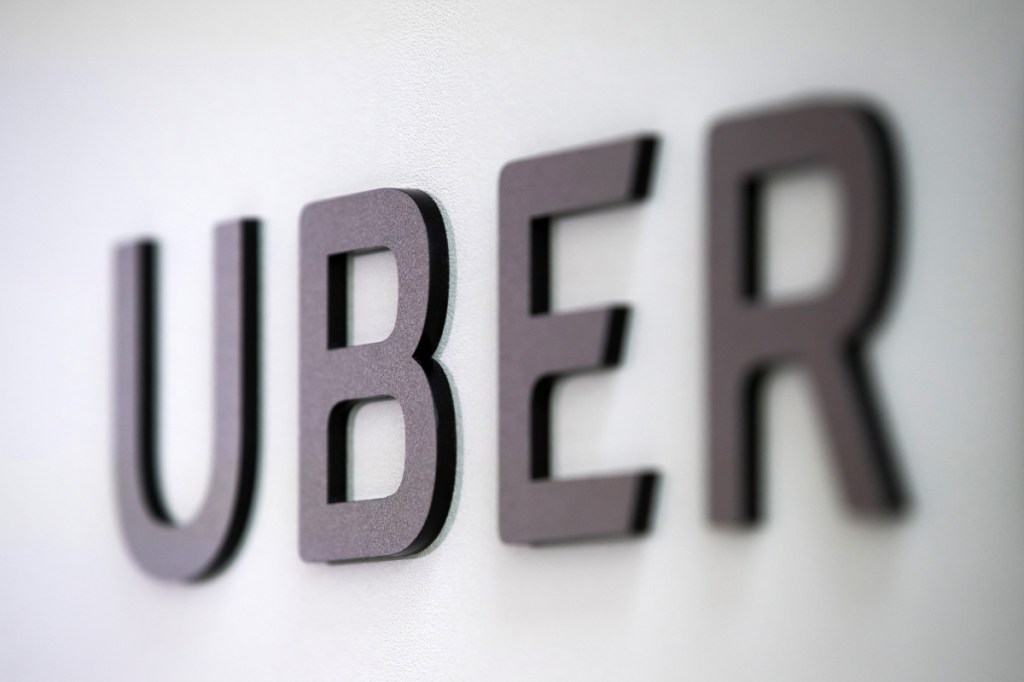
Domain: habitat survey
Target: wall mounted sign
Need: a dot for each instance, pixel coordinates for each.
(747, 336)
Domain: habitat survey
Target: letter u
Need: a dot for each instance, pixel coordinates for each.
(206, 544)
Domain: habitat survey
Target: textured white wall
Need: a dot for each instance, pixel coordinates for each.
(119, 118)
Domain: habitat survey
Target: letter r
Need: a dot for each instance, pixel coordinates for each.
(825, 335)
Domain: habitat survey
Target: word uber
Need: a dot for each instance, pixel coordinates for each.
(747, 336)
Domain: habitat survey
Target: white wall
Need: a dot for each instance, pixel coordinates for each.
(120, 118)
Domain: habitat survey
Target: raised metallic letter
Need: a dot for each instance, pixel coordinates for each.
(825, 335)
(336, 377)
(536, 347)
(206, 544)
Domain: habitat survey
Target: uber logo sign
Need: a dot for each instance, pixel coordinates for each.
(746, 337)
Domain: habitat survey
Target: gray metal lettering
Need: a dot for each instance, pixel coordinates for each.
(747, 336)
(205, 545)
(336, 377)
(537, 347)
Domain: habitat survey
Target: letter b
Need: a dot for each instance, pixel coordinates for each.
(335, 377)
